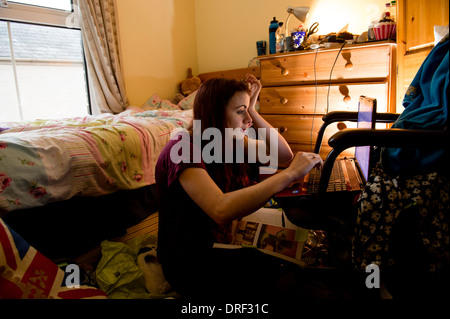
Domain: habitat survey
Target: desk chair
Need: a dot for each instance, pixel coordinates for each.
(419, 264)
(317, 212)
(337, 213)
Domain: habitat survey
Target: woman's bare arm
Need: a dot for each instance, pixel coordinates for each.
(226, 207)
(284, 151)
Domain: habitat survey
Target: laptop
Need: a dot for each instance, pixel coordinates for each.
(349, 174)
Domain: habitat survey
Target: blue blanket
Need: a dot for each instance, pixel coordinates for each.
(426, 108)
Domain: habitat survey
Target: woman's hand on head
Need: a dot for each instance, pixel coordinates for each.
(255, 88)
(302, 163)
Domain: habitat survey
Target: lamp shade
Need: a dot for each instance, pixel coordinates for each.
(299, 12)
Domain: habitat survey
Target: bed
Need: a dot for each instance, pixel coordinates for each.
(53, 160)
(49, 161)
(68, 185)
(92, 175)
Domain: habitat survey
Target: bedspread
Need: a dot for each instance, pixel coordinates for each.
(52, 160)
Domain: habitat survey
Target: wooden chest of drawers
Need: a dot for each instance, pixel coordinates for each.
(300, 87)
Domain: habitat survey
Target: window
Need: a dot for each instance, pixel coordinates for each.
(53, 4)
(42, 69)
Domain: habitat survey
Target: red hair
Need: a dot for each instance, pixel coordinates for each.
(209, 107)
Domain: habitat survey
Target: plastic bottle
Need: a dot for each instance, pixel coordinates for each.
(279, 38)
(272, 40)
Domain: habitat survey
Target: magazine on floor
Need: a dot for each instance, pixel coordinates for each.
(270, 231)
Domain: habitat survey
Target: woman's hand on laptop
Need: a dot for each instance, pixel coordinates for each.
(303, 162)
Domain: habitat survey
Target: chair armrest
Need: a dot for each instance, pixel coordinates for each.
(337, 116)
(332, 117)
(388, 138)
(402, 138)
(386, 117)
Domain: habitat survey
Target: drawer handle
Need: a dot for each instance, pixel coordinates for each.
(348, 58)
(283, 100)
(347, 99)
(283, 129)
(277, 64)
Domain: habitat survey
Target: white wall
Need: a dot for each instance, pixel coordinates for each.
(160, 39)
(158, 44)
(227, 31)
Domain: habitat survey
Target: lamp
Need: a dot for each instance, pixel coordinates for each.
(299, 12)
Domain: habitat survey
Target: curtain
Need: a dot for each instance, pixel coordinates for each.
(100, 40)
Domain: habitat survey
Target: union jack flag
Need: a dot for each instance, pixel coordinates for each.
(27, 274)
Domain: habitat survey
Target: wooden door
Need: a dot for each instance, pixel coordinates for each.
(415, 37)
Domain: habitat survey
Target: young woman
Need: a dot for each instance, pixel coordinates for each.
(199, 200)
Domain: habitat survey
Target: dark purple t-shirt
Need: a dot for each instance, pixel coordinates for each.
(186, 236)
(184, 229)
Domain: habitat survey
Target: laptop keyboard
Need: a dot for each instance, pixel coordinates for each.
(337, 180)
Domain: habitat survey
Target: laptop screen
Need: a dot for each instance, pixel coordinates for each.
(366, 119)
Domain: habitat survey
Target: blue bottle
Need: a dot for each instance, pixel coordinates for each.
(272, 39)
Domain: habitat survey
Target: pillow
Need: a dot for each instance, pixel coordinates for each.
(152, 103)
(155, 102)
(187, 102)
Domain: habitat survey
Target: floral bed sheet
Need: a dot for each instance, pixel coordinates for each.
(44, 161)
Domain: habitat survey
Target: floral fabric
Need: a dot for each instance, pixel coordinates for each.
(386, 202)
